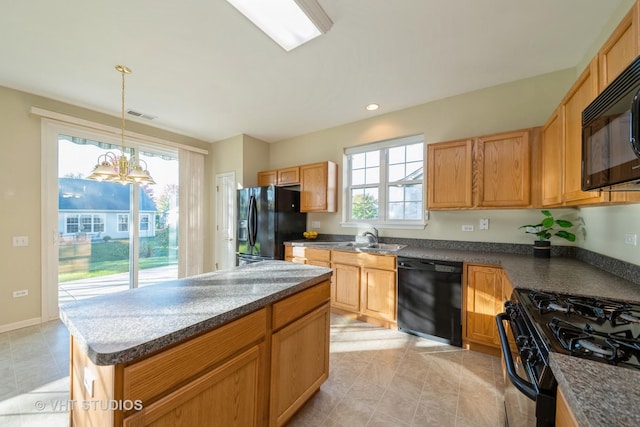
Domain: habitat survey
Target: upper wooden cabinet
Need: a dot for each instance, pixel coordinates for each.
(620, 49)
(491, 171)
(504, 170)
(289, 176)
(449, 174)
(552, 159)
(281, 177)
(319, 187)
(267, 178)
(584, 90)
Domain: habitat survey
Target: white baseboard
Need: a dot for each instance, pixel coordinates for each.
(21, 324)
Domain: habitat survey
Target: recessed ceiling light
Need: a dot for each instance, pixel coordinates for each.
(289, 23)
(372, 107)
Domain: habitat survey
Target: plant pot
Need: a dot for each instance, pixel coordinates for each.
(542, 249)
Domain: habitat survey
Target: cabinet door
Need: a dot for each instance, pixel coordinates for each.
(267, 178)
(449, 170)
(615, 55)
(580, 95)
(318, 187)
(552, 160)
(379, 293)
(289, 176)
(226, 396)
(504, 170)
(345, 292)
(483, 303)
(300, 363)
(620, 48)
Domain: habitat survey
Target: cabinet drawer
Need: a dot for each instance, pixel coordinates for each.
(288, 310)
(314, 254)
(383, 262)
(161, 373)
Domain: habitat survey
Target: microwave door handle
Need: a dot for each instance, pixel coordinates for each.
(635, 124)
(521, 384)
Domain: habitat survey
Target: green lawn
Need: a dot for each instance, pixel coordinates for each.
(95, 259)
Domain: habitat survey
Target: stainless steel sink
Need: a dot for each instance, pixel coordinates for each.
(381, 247)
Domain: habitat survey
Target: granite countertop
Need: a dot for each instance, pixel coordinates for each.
(123, 326)
(598, 394)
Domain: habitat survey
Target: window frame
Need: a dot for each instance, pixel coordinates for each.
(383, 184)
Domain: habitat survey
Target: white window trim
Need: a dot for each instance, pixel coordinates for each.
(148, 217)
(390, 143)
(128, 222)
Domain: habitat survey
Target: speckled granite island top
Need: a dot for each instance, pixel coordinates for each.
(124, 326)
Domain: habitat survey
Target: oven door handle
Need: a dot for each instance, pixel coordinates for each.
(521, 384)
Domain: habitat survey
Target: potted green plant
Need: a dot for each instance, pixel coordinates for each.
(545, 230)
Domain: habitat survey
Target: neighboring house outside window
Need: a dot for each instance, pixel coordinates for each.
(385, 183)
(123, 222)
(72, 225)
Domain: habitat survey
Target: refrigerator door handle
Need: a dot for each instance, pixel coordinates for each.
(252, 221)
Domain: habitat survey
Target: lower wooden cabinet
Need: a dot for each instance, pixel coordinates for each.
(226, 396)
(307, 255)
(564, 415)
(345, 287)
(257, 370)
(483, 301)
(365, 285)
(300, 363)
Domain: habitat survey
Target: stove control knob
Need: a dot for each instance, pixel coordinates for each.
(522, 341)
(530, 354)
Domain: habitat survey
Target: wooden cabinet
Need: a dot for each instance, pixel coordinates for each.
(257, 370)
(365, 285)
(483, 300)
(620, 49)
(345, 291)
(280, 177)
(564, 415)
(319, 187)
(552, 159)
(289, 176)
(449, 175)
(306, 255)
(267, 178)
(379, 290)
(226, 396)
(504, 170)
(580, 95)
(299, 351)
(492, 171)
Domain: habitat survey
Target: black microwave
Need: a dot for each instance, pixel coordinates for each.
(611, 135)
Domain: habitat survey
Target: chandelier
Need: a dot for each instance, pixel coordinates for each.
(113, 168)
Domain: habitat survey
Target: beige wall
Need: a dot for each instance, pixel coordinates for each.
(20, 194)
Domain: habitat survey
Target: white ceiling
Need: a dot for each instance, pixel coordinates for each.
(205, 71)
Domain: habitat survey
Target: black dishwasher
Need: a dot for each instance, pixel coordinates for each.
(430, 299)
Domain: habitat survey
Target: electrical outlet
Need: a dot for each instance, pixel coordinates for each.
(631, 239)
(20, 241)
(20, 293)
(484, 224)
(467, 227)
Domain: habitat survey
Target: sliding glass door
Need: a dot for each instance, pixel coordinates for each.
(111, 236)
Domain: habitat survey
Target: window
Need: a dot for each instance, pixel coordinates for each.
(144, 222)
(123, 222)
(85, 223)
(385, 182)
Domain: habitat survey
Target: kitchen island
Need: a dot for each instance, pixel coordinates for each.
(246, 346)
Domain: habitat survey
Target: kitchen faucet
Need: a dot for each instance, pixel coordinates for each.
(374, 235)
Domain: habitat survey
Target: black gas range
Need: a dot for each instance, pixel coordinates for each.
(598, 329)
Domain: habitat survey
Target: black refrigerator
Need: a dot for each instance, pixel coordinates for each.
(267, 217)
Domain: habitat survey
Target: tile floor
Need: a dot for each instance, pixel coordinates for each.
(378, 377)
